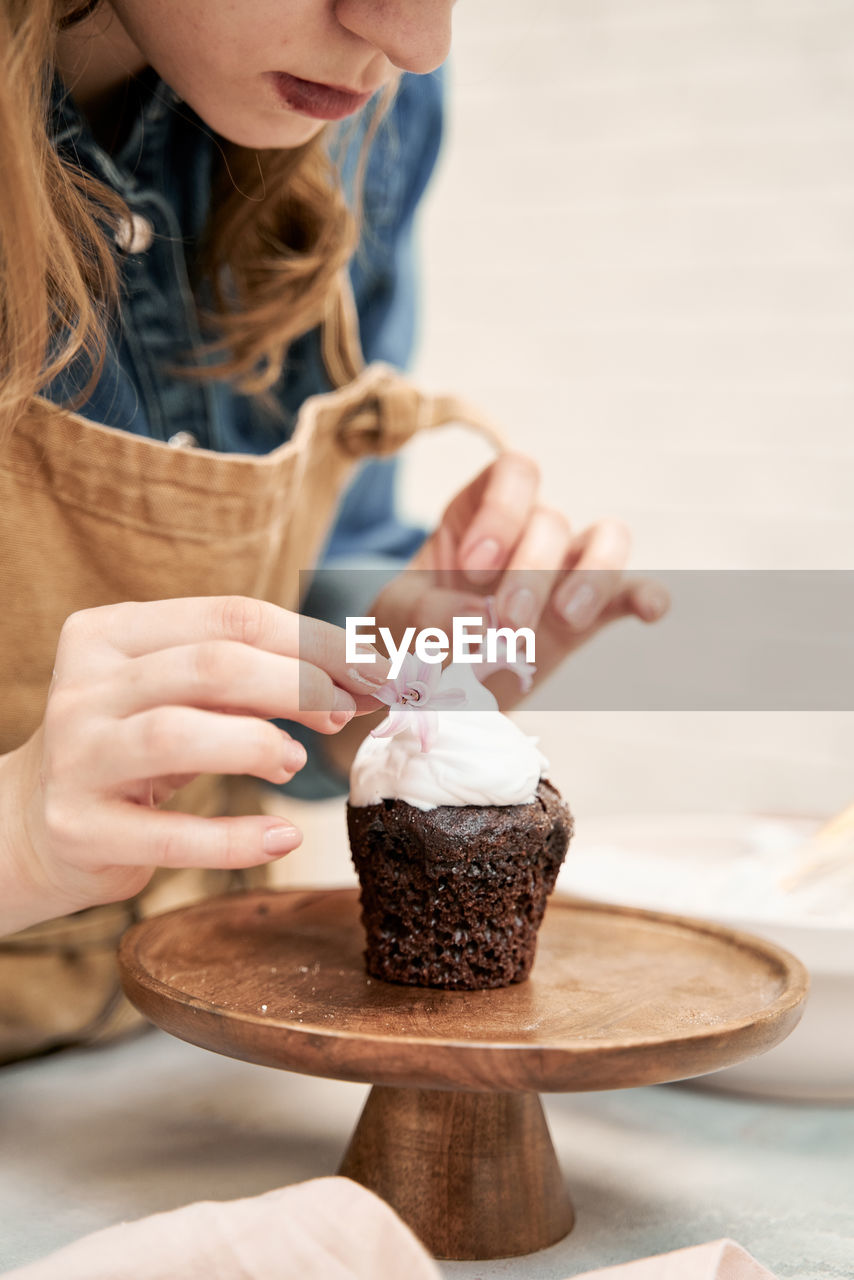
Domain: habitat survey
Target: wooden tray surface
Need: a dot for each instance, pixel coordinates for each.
(618, 997)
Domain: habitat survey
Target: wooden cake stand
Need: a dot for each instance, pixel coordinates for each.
(453, 1134)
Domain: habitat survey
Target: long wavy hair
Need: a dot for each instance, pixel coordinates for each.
(280, 230)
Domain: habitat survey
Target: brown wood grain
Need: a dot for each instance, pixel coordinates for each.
(474, 1175)
(617, 998)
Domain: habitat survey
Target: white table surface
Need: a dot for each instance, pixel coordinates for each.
(92, 1138)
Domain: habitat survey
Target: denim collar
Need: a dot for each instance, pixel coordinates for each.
(70, 133)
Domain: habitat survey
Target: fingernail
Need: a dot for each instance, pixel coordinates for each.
(366, 678)
(579, 606)
(278, 840)
(295, 756)
(521, 608)
(485, 554)
(343, 707)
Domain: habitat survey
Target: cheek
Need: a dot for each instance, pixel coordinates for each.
(232, 32)
(201, 42)
(203, 51)
(215, 55)
(156, 26)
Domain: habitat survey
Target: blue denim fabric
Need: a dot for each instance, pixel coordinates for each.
(163, 171)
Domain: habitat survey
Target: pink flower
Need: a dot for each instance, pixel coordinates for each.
(524, 670)
(414, 697)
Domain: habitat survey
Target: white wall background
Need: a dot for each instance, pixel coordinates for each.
(640, 258)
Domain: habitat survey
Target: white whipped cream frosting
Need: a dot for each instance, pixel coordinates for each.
(478, 757)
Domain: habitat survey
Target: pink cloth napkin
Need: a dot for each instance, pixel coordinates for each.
(327, 1229)
(717, 1260)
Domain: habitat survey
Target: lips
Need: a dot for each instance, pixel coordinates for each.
(320, 101)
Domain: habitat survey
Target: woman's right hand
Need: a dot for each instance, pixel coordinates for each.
(144, 698)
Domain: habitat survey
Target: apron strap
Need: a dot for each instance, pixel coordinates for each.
(393, 410)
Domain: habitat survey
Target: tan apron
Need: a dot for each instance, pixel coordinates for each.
(91, 515)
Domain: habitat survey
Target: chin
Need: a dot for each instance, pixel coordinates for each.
(259, 131)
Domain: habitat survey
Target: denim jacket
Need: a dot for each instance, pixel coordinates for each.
(163, 171)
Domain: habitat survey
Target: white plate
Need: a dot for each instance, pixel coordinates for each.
(726, 868)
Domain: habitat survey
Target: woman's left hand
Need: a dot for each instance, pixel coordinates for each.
(496, 537)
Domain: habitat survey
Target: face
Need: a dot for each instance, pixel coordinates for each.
(270, 73)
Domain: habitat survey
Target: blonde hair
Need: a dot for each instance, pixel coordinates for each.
(279, 232)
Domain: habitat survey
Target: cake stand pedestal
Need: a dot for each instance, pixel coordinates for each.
(453, 1134)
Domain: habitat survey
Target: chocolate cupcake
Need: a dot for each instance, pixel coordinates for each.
(457, 838)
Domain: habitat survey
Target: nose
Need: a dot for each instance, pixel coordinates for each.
(415, 35)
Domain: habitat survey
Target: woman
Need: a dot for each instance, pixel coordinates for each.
(142, 679)
(177, 258)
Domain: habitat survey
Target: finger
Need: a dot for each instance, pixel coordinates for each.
(180, 740)
(320, 721)
(154, 838)
(335, 720)
(642, 598)
(436, 559)
(596, 563)
(535, 567)
(135, 629)
(437, 609)
(325, 646)
(163, 789)
(223, 675)
(488, 517)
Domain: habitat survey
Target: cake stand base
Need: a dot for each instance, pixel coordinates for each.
(475, 1175)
